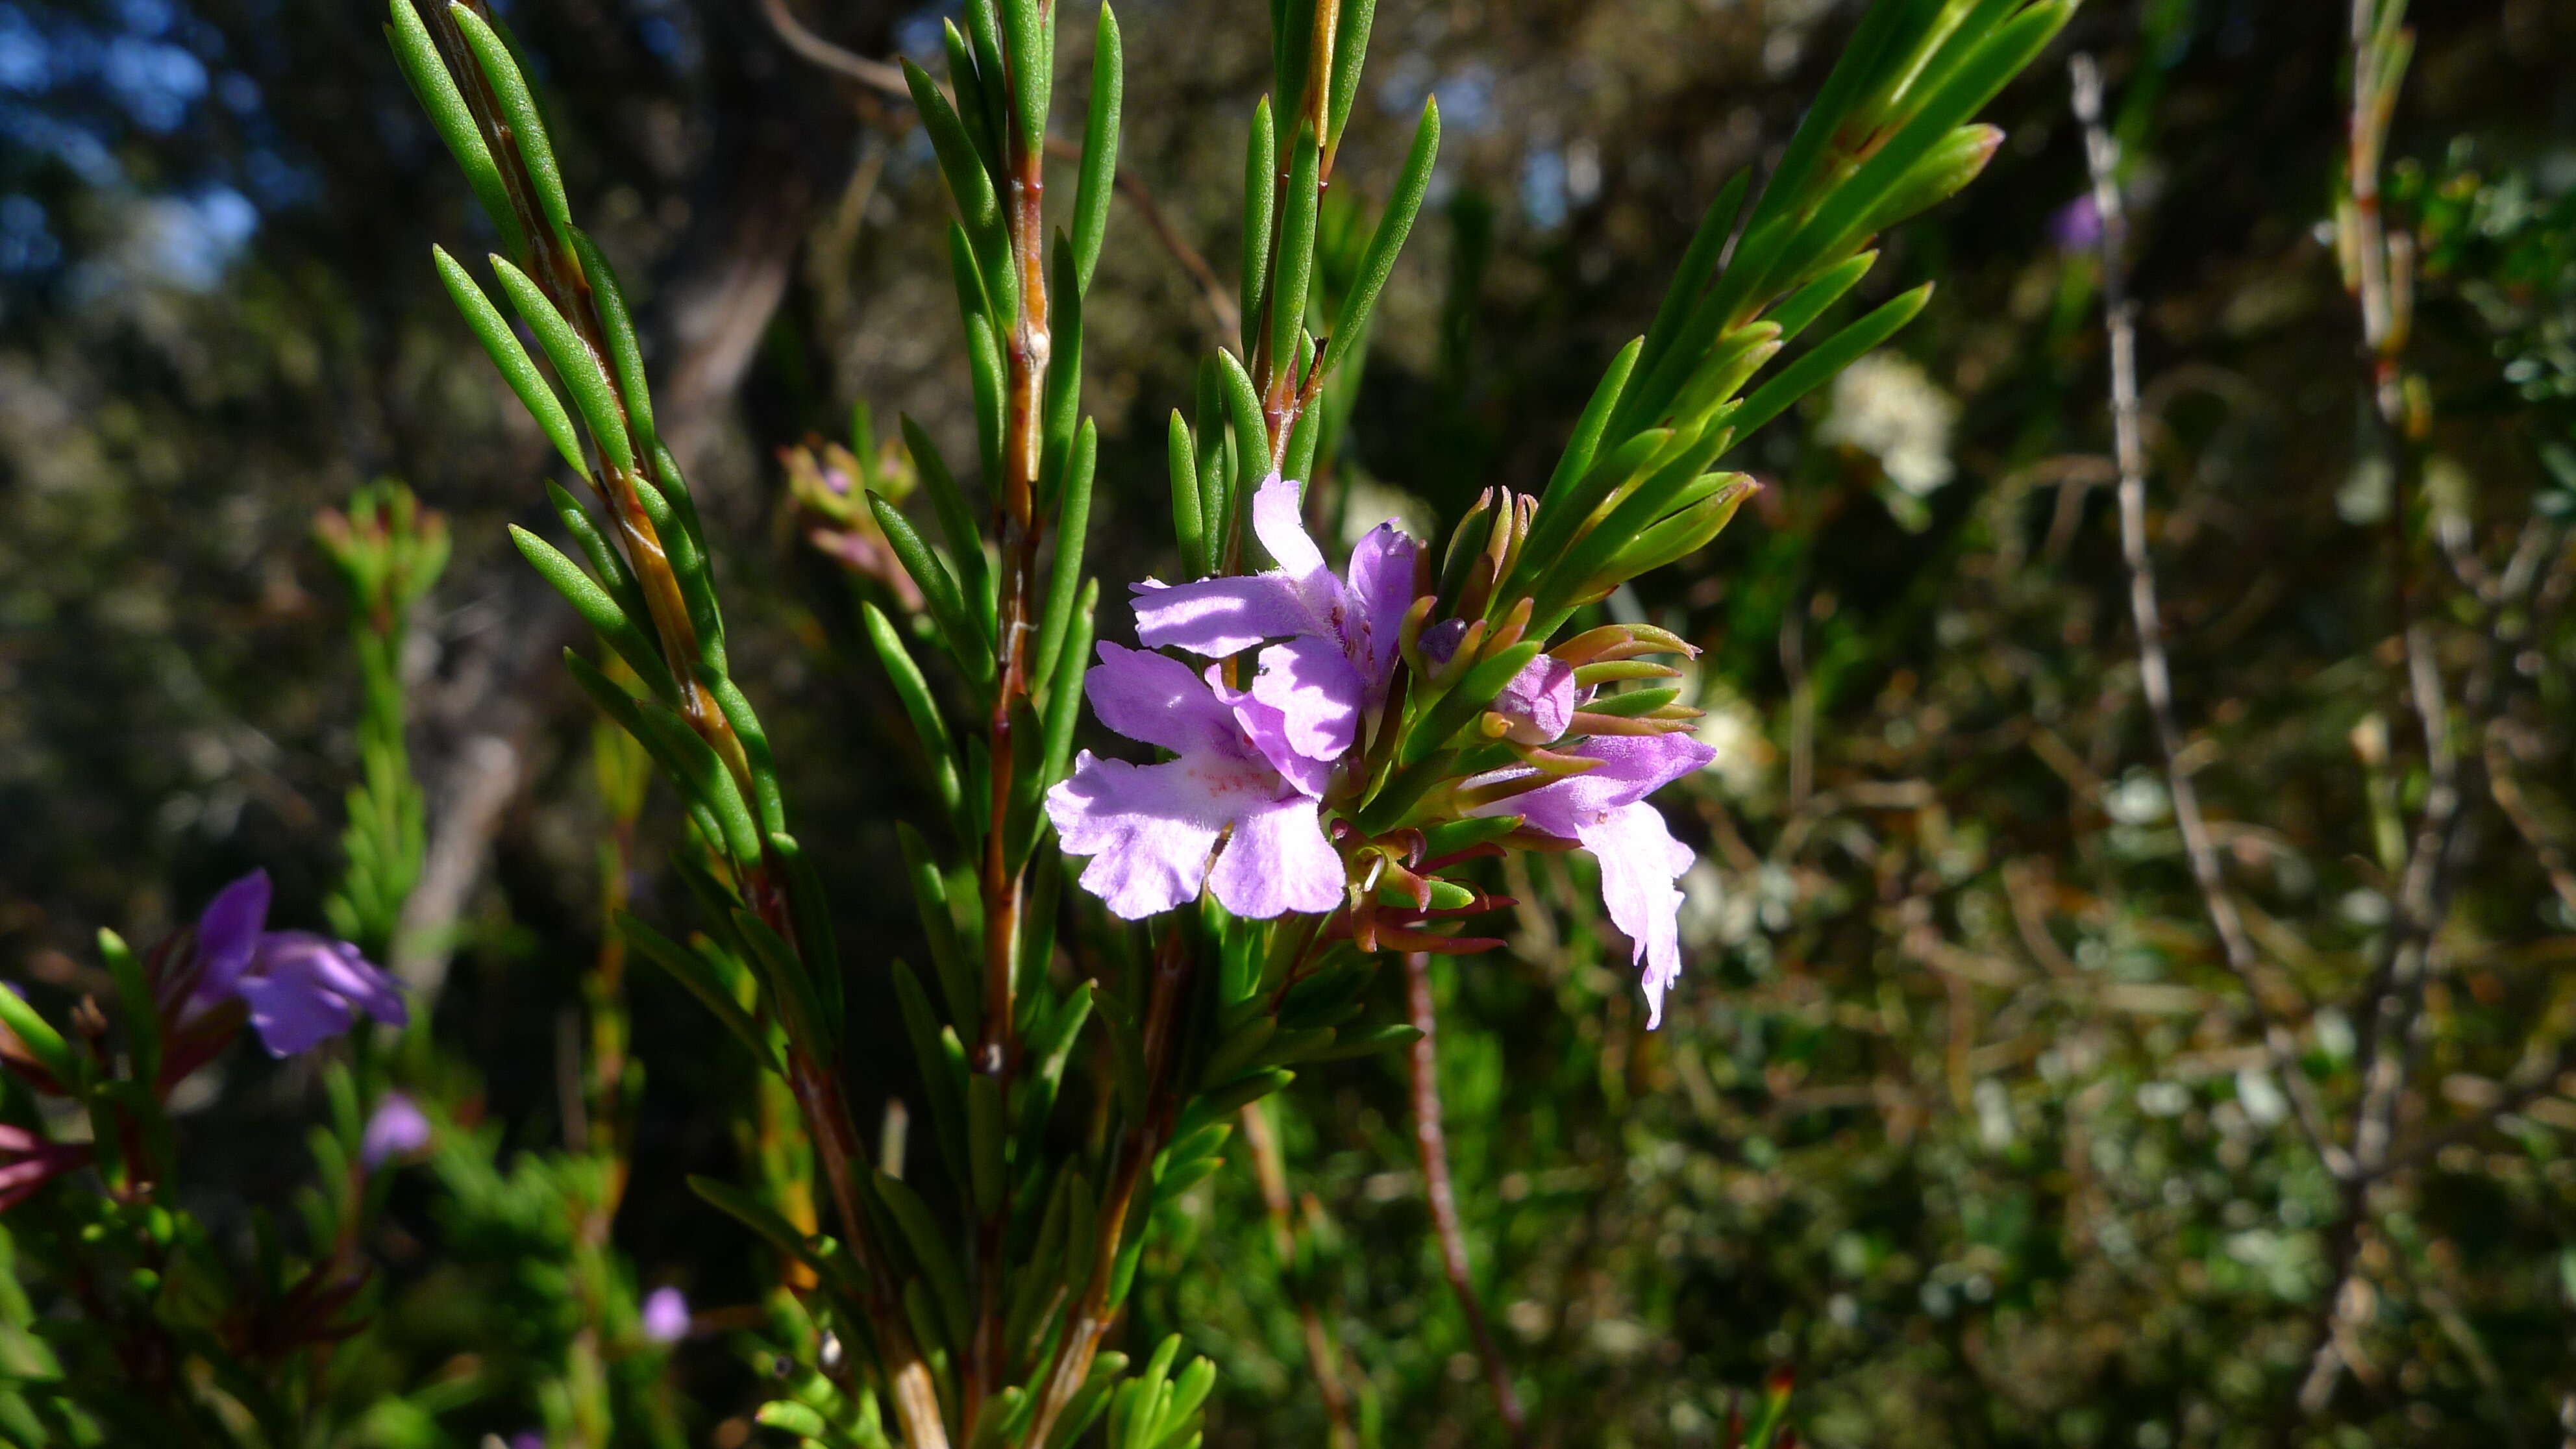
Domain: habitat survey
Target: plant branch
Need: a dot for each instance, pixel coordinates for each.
(1430, 1138)
(2154, 669)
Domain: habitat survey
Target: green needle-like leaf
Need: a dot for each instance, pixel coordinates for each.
(1099, 174)
(516, 367)
(1385, 243)
(519, 109)
(574, 362)
(435, 88)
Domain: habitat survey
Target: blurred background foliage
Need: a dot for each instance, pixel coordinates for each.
(1957, 1110)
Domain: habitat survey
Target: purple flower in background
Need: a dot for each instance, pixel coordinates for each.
(302, 989)
(666, 1315)
(2076, 226)
(1605, 810)
(397, 1129)
(1149, 828)
(1338, 633)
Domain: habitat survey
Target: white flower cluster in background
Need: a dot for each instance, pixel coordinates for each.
(1884, 405)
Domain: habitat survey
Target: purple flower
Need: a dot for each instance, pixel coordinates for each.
(1605, 810)
(2076, 226)
(302, 989)
(1539, 701)
(1149, 828)
(1339, 633)
(398, 1128)
(666, 1315)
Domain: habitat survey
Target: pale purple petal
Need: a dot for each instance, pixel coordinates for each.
(302, 990)
(228, 932)
(397, 1128)
(666, 1315)
(1147, 696)
(1316, 693)
(1633, 767)
(1640, 861)
(1539, 701)
(1265, 727)
(1279, 521)
(1217, 617)
(1278, 861)
(1381, 591)
(1147, 829)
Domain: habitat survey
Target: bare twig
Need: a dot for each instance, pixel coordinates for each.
(2506, 790)
(876, 75)
(2154, 672)
(1429, 1136)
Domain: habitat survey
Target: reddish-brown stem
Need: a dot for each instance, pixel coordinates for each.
(1432, 1141)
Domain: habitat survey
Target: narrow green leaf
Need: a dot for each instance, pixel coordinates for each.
(1698, 263)
(791, 987)
(756, 1215)
(966, 644)
(43, 1043)
(736, 708)
(435, 88)
(1579, 449)
(134, 1006)
(1350, 50)
(1251, 432)
(688, 761)
(519, 109)
(598, 609)
(1306, 430)
(1064, 693)
(939, 1077)
(1216, 474)
(574, 362)
(1369, 1042)
(984, 30)
(1842, 218)
(1062, 404)
(971, 188)
(957, 980)
(1260, 155)
(1064, 582)
(956, 517)
(974, 107)
(517, 368)
(920, 1229)
(1943, 173)
(1032, 76)
(1189, 525)
(1099, 173)
(913, 692)
(1819, 364)
(1294, 269)
(1802, 307)
(608, 567)
(692, 972)
(625, 352)
(1387, 241)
